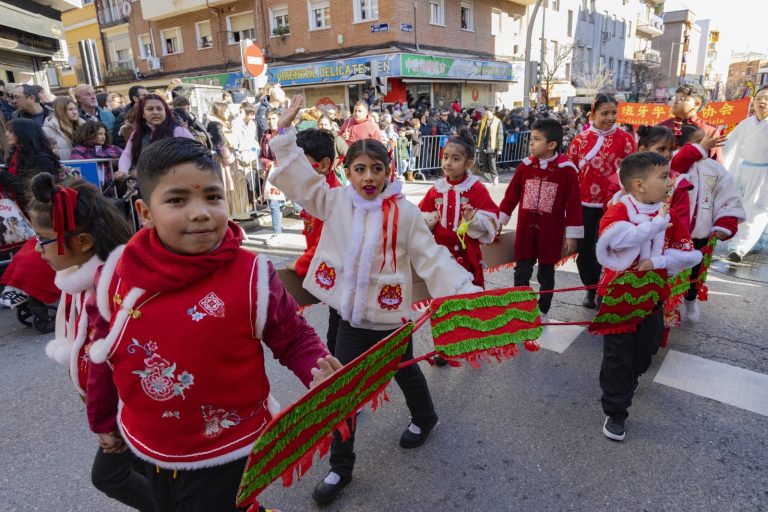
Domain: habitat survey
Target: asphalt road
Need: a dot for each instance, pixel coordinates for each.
(522, 435)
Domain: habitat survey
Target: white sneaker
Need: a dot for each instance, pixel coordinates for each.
(495, 181)
(544, 318)
(274, 241)
(692, 311)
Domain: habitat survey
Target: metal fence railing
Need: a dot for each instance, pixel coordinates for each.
(430, 152)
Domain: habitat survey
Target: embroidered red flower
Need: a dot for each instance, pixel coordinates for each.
(390, 297)
(325, 276)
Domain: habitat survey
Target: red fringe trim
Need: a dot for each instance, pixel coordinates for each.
(612, 329)
(566, 260)
(531, 346)
(475, 359)
(703, 293)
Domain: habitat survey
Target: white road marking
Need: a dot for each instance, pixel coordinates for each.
(728, 384)
(558, 339)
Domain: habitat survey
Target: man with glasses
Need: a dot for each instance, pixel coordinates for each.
(5, 106)
(686, 104)
(28, 104)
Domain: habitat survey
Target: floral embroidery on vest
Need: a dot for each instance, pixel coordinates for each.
(158, 379)
(172, 414)
(216, 420)
(325, 276)
(390, 296)
(213, 305)
(195, 314)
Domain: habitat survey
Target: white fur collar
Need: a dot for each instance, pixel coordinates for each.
(78, 279)
(544, 163)
(443, 186)
(639, 212)
(603, 133)
(393, 188)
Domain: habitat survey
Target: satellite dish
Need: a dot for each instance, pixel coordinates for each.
(125, 8)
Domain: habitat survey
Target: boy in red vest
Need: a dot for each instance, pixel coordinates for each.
(187, 311)
(639, 232)
(320, 150)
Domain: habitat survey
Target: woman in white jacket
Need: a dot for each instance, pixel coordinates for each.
(372, 237)
(62, 125)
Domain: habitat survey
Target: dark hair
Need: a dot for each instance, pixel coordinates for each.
(94, 213)
(87, 132)
(134, 92)
(101, 99)
(686, 133)
(30, 90)
(317, 143)
(177, 92)
(248, 109)
(370, 147)
(160, 157)
(761, 88)
(552, 130)
(182, 116)
(652, 135)
(695, 91)
(463, 139)
(163, 131)
(638, 166)
(216, 132)
(600, 100)
(272, 112)
(179, 102)
(31, 142)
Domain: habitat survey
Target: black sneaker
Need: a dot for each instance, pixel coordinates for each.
(410, 439)
(589, 300)
(613, 428)
(325, 493)
(734, 256)
(439, 361)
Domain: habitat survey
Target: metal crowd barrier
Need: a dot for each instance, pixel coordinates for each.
(428, 157)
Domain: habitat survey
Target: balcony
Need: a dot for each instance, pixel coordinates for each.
(650, 25)
(122, 71)
(112, 15)
(154, 10)
(648, 57)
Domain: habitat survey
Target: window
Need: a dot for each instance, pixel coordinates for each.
(240, 26)
(584, 10)
(610, 63)
(203, 33)
(437, 12)
(618, 71)
(496, 22)
(570, 23)
(467, 16)
(568, 71)
(623, 28)
(170, 38)
(122, 54)
(145, 46)
(629, 29)
(319, 14)
(614, 23)
(556, 5)
(366, 10)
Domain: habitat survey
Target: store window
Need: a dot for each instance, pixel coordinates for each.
(278, 21)
(467, 16)
(319, 14)
(171, 40)
(145, 46)
(203, 33)
(445, 93)
(241, 27)
(496, 28)
(365, 10)
(437, 12)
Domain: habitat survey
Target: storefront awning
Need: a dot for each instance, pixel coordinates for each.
(25, 21)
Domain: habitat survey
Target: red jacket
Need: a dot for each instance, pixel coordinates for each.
(675, 123)
(313, 228)
(365, 129)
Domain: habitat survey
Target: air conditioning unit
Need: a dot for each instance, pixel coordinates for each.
(606, 36)
(154, 63)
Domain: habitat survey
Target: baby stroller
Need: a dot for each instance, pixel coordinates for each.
(39, 316)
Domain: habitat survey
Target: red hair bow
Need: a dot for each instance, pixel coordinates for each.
(64, 203)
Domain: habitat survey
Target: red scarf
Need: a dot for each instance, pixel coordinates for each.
(147, 264)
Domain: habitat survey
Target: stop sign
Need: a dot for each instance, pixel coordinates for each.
(253, 60)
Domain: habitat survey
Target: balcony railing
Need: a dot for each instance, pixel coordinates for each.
(649, 57)
(650, 24)
(121, 70)
(111, 15)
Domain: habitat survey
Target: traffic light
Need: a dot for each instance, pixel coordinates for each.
(379, 83)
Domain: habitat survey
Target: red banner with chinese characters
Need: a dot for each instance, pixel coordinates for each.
(717, 113)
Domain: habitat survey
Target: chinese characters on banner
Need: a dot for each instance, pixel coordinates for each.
(718, 113)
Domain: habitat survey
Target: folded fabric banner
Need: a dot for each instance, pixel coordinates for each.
(475, 327)
(290, 441)
(628, 300)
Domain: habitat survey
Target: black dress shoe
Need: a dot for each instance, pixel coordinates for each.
(439, 361)
(589, 300)
(411, 440)
(325, 493)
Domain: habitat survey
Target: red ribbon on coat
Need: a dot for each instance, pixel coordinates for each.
(386, 205)
(64, 203)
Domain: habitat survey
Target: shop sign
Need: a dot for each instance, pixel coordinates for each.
(225, 80)
(334, 71)
(380, 27)
(427, 66)
(406, 27)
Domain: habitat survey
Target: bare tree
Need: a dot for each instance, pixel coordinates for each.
(553, 66)
(596, 81)
(645, 78)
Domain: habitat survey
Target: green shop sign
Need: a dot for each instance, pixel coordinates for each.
(427, 66)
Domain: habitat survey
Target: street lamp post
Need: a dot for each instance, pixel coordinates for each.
(527, 74)
(669, 71)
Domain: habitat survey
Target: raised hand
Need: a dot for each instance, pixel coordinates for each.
(290, 112)
(709, 142)
(325, 367)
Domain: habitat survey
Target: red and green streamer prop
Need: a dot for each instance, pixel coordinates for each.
(706, 261)
(290, 441)
(629, 299)
(475, 327)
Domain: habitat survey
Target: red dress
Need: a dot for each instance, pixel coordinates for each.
(446, 199)
(549, 208)
(675, 124)
(598, 156)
